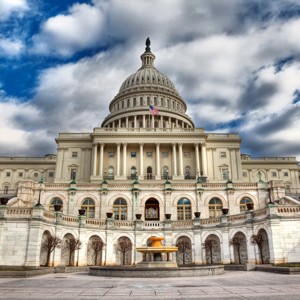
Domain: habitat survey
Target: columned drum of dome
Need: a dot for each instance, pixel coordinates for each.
(147, 86)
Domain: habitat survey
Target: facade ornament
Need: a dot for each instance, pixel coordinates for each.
(148, 43)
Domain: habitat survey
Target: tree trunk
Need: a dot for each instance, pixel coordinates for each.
(48, 259)
(96, 256)
(124, 258)
(183, 257)
(239, 254)
(261, 254)
(211, 257)
(70, 257)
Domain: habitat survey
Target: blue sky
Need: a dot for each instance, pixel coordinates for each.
(236, 63)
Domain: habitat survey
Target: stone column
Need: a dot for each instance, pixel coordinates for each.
(233, 163)
(141, 176)
(152, 121)
(204, 159)
(144, 121)
(124, 160)
(95, 146)
(118, 159)
(101, 159)
(126, 122)
(161, 122)
(119, 123)
(180, 161)
(158, 175)
(170, 124)
(197, 159)
(174, 160)
(134, 122)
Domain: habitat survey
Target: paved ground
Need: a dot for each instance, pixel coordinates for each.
(231, 285)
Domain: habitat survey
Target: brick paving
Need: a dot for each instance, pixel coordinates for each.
(231, 285)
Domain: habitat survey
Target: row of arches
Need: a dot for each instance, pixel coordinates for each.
(152, 208)
(123, 249)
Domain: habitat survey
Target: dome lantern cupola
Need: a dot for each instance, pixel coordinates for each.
(147, 57)
(147, 88)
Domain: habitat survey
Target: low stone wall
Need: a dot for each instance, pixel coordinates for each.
(277, 269)
(157, 272)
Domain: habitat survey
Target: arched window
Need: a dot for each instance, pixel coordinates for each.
(187, 172)
(128, 103)
(89, 206)
(244, 202)
(133, 172)
(149, 172)
(148, 100)
(110, 173)
(184, 210)
(162, 102)
(165, 172)
(55, 201)
(134, 102)
(120, 209)
(215, 207)
(155, 101)
(151, 209)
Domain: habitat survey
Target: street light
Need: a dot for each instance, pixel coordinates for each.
(40, 190)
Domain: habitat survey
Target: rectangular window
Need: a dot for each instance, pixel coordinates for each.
(133, 154)
(51, 174)
(225, 174)
(187, 154)
(74, 154)
(222, 154)
(20, 174)
(111, 154)
(73, 174)
(6, 189)
(274, 174)
(244, 174)
(149, 154)
(165, 154)
(7, 174)
(285, 174)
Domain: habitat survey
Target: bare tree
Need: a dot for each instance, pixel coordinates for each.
(97, 247)
(183, 247)
(73, 244)
(209, 245)
(49, 244)
(237, 243)
(124, 245)
(258, 239)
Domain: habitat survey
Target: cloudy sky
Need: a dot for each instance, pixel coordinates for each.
(235, 62)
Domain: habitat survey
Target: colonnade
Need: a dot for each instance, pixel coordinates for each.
(147, 121)
(177, 160)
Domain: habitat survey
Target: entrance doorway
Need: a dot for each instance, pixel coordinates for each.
(151, 210)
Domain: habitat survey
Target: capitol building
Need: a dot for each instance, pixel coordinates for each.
(147, 170)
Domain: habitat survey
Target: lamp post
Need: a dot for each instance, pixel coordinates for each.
(40, 190)
(270, 189)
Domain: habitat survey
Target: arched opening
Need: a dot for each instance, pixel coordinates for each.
(44, 260)
(187, 174)
(149, 172)
(110, 174)
(67, 250)
(212, 249)
(89, 206)
(239, 244)
(184, 210)
(120, 209)
(215, 207)
(184, 252)
(152, 209)
(243, 204)
(55, 201)
(262, 242)
(133, 174)
(123, 251)
(94, 251)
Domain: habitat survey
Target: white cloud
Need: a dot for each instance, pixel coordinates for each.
(66, 34)
(10, 48)
(9, 7)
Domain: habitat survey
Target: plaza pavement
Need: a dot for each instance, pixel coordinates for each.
(231, 285)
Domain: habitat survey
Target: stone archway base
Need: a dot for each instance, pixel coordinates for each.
(132, 271)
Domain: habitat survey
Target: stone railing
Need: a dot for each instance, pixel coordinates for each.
(123, 223)
(210, 221)
(289, 210)
(153, 224)
(95, 222)
(69, 219)
(260, 213)
(49, 215)
(237, 218)
(18, 211)
(182, 224)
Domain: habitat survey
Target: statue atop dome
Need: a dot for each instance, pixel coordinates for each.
(148, 43)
